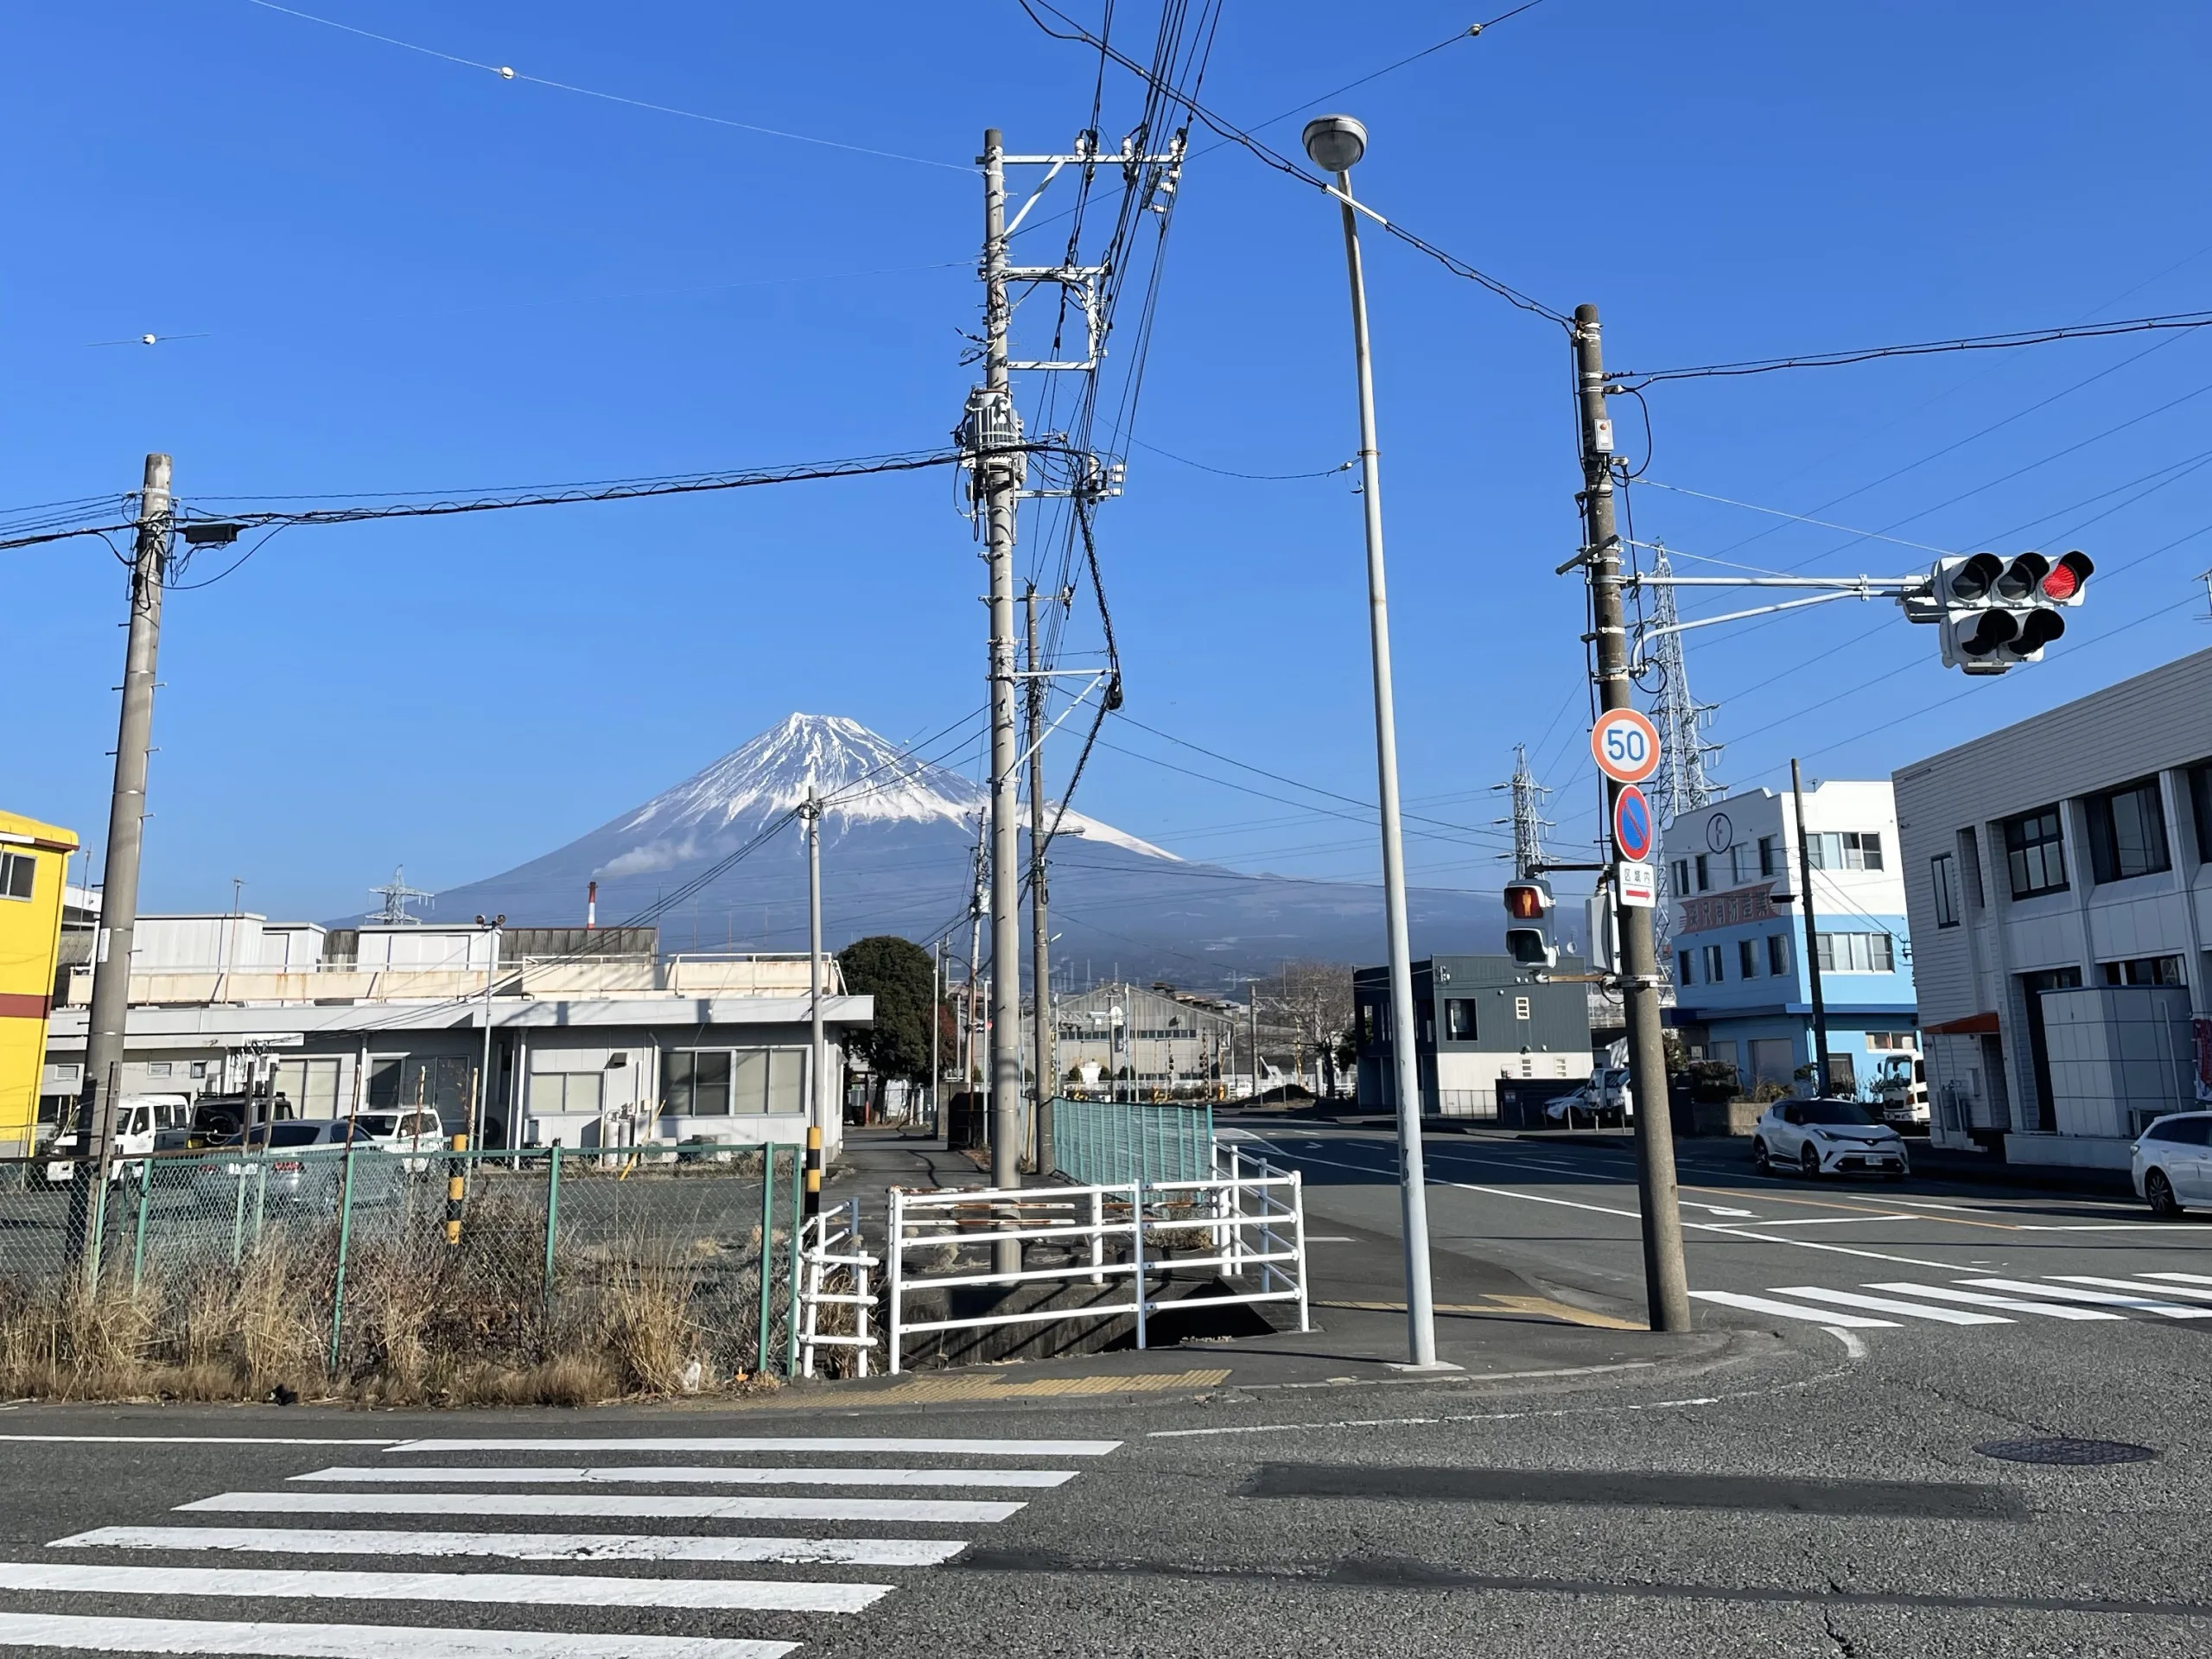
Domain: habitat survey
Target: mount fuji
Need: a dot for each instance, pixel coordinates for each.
(898, 856)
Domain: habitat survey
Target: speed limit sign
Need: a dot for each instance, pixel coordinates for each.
(1626, 745)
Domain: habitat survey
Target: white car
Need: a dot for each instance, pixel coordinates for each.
(2173, 1163)
(1822, 1136)
(416, 1134)
(144, 1124)
(1607, 1090)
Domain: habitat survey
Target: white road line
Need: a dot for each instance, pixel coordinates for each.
(1794, 1310)
(528, 1589)
(623, 1507)
(2101, 1298)
(2180, 1278)
(187, 1440)
(2136, 1287)
(778, 1443)
(527, 1546)
(1830, 1221)
(676, 1473)
(282, 1641)
(1980, 1298)
(1889, 1305)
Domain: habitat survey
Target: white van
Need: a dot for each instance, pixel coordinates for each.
(144, 1124)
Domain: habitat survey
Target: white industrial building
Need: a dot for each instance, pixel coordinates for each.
(596, 1041)
(2057, 879)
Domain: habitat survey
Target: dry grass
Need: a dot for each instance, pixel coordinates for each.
(426, 1323)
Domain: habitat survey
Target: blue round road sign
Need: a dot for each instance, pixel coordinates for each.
(1632, 824)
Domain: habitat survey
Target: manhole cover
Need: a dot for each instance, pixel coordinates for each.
(2059, 1450)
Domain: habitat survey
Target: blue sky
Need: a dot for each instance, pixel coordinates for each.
(409, 274)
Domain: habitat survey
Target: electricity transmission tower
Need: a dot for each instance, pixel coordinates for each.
(396, 896)
(1528, 822)
(1682, 784)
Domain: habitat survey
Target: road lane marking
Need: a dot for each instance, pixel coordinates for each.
(527, 1546)
(675, 1474)
(1889, 1305)
(2134, 1286)
(287, 1641)
(2181, 1278)
(1831, 1221)
(1794, 1310)
(2101, 1298)
(530, 1589)
(1980, 1298)
(1564, 1311)
(188, 1439)
(734, 1443)
(582, 1504)
(1854, 1345)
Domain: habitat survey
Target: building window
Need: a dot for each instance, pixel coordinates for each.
(1902, 1041)
(1943, 878)
(1846, 849)
(566, 1091)
(1713, 974)
(1856, 953)
(721, 1081)
(1770, 856)
(1747, 958)
(2143, 970)
(1459, 1019)
(1682, 875)
(1777, 953)
(2200, 801)
(18, 874)
(310, 1084)
(1682, 967)
(2035, 853)
(2127, 832)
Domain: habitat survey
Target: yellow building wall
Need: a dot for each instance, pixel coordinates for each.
(30, 937)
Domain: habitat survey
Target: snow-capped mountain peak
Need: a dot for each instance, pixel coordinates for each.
(860, 776)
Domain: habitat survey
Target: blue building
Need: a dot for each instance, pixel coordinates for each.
(1743, 992)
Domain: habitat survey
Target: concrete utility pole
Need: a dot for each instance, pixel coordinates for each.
(819, 1108)
(994, 427)
(1041, 941)
(1335, 143)
(491, 925)
(126, 816)
(1666, 1281)
(1812, 939)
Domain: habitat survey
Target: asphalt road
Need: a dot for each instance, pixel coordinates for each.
(1824, 1496)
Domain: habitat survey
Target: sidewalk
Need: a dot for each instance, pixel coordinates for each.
(1490, 1324)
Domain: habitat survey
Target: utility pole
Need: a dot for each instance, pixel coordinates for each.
(1041, 941)
(993, 430)
(818, 1116)
(971, 1026)
(126, 814)
(936, 1020)
(491, 925)
(1812, 940)
(1666, 1279)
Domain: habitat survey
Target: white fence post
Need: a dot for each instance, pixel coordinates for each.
(1298, 1235)
(895, 1248)
(1136, 1251)
(1097, 1238)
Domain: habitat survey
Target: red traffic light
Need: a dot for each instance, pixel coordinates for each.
(2069, 576)
(1527, 902)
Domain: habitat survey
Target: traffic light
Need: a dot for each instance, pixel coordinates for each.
(1997, 612)
(1527, 931)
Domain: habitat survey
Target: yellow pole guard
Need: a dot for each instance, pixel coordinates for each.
(814, 1171)
(456, 1189)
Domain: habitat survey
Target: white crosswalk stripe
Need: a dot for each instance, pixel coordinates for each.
(675, 1476)
(527, 1546)
(2074, 1296)
(881, 1491)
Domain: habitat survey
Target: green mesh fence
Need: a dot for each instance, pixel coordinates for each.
(1104, 1142)
(646, 1269)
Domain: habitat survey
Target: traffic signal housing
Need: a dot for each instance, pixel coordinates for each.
(1996, 613)
(1528, 922)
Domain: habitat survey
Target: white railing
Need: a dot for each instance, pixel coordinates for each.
(1250, 1214)
(830, 1245)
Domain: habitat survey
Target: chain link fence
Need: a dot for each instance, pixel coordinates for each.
(396, 1278)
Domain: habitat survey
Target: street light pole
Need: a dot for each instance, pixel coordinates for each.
(1336, 142)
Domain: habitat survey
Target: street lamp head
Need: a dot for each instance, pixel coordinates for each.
(1334, 143)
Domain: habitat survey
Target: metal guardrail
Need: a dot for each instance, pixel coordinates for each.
(830, 1254)
(1115, 1142)
(1250, 1215)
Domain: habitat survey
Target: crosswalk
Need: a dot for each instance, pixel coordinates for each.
(860, 1502)
(1890, 1303)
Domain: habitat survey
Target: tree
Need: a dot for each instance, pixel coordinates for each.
(1313, 999)
(900, 974)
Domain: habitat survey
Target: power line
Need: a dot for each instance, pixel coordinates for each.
(1226, 472)
(1922, 348)
(506, 71)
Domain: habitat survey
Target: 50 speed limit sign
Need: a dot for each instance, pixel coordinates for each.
(1626, 745)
